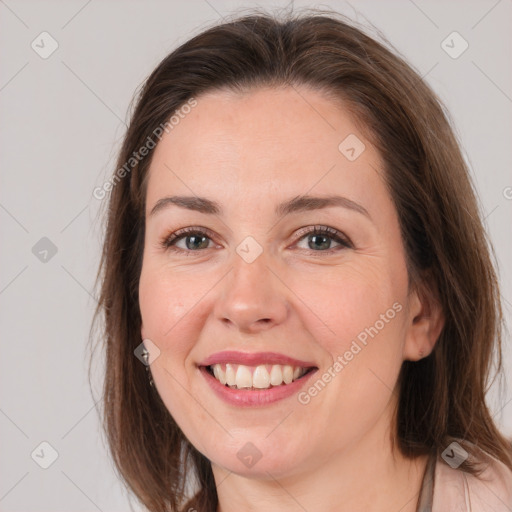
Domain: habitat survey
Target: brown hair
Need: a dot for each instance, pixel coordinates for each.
(441, 397)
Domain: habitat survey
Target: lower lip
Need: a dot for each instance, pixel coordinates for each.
(251, 398)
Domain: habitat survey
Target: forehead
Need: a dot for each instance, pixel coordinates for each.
(263, 143)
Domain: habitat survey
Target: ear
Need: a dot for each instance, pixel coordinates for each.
(425, 323)
(142, 331)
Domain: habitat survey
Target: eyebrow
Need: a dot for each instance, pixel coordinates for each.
(294, 205)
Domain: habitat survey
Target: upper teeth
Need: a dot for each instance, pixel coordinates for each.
(260, 377)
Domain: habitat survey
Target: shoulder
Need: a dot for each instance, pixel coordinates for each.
(458, 491)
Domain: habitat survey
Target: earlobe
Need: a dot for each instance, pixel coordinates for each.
(426, 321)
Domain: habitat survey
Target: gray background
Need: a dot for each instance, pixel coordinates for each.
(62, 120)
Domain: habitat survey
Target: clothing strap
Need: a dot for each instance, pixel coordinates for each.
(426, 498)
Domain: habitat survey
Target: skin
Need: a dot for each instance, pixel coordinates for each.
(249, 152)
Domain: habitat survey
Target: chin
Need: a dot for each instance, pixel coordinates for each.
(258, 459)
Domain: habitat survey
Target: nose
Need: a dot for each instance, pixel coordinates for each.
(252, 297)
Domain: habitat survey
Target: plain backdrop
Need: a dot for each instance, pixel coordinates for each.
(62, 120)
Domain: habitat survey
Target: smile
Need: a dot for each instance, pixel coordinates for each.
(238, 376)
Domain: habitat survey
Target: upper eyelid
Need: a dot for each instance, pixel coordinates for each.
(179, 233)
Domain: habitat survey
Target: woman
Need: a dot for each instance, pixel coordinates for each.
(294, 250)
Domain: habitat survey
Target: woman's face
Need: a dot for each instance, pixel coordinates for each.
(259, 281)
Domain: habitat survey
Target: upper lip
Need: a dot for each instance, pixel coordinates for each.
(253, 359)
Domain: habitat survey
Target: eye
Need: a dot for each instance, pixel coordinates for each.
(195, 239)
(321, 237)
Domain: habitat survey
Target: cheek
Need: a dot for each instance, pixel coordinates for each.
(350, 300)
(167, 301)
(168, 294)
(171, 320)
(361, 331)
(359, 322)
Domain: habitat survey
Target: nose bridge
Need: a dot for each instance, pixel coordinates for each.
(252, 296)
(251, 264)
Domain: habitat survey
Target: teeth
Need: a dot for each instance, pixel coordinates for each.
(230, 374)
(259, 377)
(243, 377)
(219, 374)
(287, 374)
(276, 375)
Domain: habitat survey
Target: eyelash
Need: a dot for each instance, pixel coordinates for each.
(169, 241)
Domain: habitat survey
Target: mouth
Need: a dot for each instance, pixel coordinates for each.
(257, 378)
